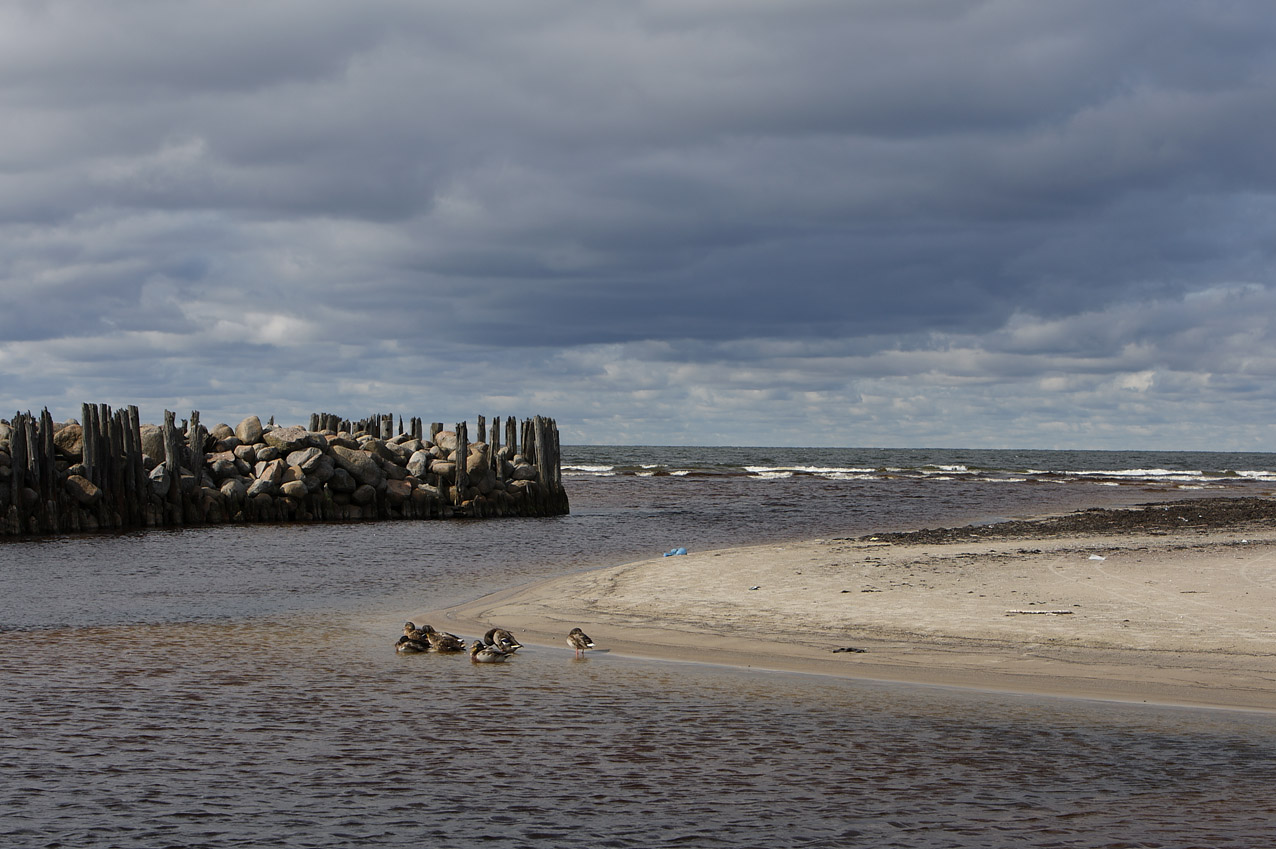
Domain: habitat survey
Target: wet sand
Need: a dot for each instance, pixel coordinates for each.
(1159, 608)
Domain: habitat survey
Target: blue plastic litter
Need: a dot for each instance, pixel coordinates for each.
(675, 551)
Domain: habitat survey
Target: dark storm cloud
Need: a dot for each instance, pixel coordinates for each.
(909, 215)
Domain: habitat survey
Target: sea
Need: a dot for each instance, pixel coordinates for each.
(237, 686)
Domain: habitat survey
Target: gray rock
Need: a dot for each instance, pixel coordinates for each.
(323, 470)
(69, 441)
(294, 489)
(419, 463)
(342, 482)
(446, 440)
(222, 466)
(364, 495)
(221, 431)
(153, 441)
(229, 443)
(480, 459)
(306, 458)
(359, 464)
(272, 471)
(261, 486)
(288, 439)
(234, 489)
(160, 481)
(266, 452)
(247, 453)
(249, 430)
(398, 492)
(83, 490)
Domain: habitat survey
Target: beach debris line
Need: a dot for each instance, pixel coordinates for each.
(850, 649)
(1039, 612)
(111, 471)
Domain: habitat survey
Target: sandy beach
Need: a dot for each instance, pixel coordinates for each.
(1141, 613)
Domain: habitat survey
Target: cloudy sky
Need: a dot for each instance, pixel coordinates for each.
(811, 222)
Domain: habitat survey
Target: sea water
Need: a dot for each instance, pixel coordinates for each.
(237, 686)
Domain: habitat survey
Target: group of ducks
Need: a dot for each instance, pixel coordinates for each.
(497, 645)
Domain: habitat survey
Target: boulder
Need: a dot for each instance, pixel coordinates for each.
(153, 441)
(229, 443)
(266, 452)
(161, 480)
(247, 453)
(249, 430)
(323, 470)
(221, 431)
(222, 466)
(364, 495)
(83, 490)
(306, 458)
(342, 482)
(261, 486)
(69, 442)
(446, 440)
(294, 489)
(288, 439)
(398, 492)
(479, 460)
(234, 489)
(272, 471)
(359, 464)
(419, 463)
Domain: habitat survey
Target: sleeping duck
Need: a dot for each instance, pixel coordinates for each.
(502, 639)
(482, 653)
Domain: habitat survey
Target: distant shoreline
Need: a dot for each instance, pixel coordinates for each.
(1166, 603)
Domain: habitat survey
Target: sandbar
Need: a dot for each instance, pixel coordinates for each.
(1178, 616)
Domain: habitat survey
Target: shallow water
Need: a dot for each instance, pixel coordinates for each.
(314, 733)
(237, 686)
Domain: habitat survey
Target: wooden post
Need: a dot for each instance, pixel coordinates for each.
(86, 456)
(18, 454)
(143, 493)
(462, 454)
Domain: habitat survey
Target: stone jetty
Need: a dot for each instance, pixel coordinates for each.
(111, 472)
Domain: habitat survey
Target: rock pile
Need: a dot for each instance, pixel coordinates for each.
(112, 472)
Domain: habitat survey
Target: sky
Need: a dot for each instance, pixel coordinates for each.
(870, 223)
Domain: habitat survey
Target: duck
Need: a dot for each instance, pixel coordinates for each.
(411, 630)
(444, 642)
(579, 641)
(407, 645)
(502, 639)
(480, 652)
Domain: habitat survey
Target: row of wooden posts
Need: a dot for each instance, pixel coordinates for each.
(39, 500)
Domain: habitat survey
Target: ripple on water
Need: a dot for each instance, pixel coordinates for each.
(315, 733)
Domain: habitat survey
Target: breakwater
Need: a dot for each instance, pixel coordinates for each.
(110, 471)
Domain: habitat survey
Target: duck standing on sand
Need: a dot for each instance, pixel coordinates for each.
(482, 653)
(579, 641)
(502, 639)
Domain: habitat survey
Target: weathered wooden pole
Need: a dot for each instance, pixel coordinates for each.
(462, 455)
(18, 482)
